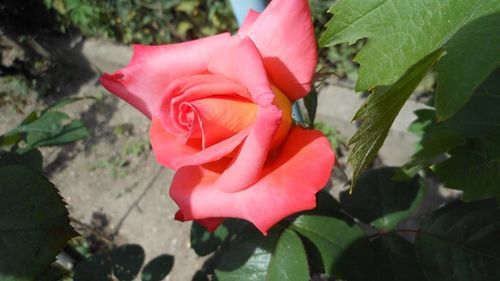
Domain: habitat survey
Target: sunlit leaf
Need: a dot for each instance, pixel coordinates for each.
(402, 32)
(378, 113)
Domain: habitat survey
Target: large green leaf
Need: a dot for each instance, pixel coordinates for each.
(278, 257)
(381, 201)
(402, 32)
(396, 259)
(343, 247)
(460, 242)
(379, 111)
(474, 168)
(34, 223)
(472, 54)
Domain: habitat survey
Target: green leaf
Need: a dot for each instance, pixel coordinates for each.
(396, 259)
(477, 119)
(278, 257)
(473, 168)
(381, 201)
(435, 139)
(343, 247)
(158, 268)
(124, 263)
(378, 113)
(71, 132)
(204, 242)
(472, 54)
(32, 159)
(401, 33)
(491, 85)
(289, 260)
(13, 136)
(460, 242)
(63, 102)
(34, 223)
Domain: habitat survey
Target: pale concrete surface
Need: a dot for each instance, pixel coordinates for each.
(337, 106)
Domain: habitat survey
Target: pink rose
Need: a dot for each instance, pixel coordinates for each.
(221, 116)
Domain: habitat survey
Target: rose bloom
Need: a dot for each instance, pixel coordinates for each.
(220, 110)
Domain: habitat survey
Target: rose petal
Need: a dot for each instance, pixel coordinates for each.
(209, 107)
(288, 184)
(173, 153)
(144, 81)
(252, 15)
(284, 35)
(223, 116)
(242, 63)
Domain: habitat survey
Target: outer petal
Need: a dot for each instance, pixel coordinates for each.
(242, 63)
(152, 68)
(284, 35)
(288, 184)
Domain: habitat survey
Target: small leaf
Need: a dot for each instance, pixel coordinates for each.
(71, 132)
(158, 268)
(13, 136)
(343, 247)
(460, 242)
(379, 111)
(254, 257)
(381, 201)
(34, 223)
(396, 259)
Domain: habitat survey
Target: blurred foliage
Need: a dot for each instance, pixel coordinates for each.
(334, 137)
(37, 36)
(146, 21)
